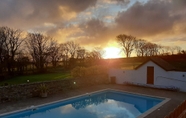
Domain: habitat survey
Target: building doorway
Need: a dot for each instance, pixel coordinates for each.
(150, 75)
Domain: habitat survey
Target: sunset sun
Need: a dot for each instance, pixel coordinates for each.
(112, 52)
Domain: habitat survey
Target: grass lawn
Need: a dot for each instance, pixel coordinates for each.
(37, 78)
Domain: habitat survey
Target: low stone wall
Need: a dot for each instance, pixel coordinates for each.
(23, 91)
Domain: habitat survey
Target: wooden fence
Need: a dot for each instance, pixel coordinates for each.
(177, 111)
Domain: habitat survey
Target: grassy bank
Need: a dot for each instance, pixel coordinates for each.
(37, 78)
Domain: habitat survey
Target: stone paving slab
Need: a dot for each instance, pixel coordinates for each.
(176, 98)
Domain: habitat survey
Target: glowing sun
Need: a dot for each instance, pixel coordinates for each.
(112, 52)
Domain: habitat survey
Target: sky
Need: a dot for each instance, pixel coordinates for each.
(96, 23)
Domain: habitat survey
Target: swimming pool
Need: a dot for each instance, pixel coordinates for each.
(100, 104)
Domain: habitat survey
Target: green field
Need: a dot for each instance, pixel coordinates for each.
(37, 78)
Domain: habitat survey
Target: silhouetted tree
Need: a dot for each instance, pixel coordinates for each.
(172, 50)
(183, 52)
(177, 49)
(161, 50)
(2, 50)
(64, 52)
(10, 40)
(154, 49)
(39, 48)
(127, 42)
(72, 48)
(151, 49)
(93, 57)
(140, 47)
(54, 53)
(81, 53)
(96, 53)
(167, 50)
(22, 61)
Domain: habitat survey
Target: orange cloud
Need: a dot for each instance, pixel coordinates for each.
(98, 22)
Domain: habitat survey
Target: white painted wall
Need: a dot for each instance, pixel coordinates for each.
(161, 77)
(177, 79)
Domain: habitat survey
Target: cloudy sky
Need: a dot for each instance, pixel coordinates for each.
(98, 22)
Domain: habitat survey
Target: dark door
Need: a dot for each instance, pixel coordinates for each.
(150, 75)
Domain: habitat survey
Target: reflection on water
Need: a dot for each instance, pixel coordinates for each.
(96, 100)
(109, 109)
(105, 105)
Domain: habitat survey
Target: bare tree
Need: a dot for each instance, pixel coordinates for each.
(81, 53)
(93, 57)
(54, 53)
(127, 42)
(72, 48)
(139, 47)
(167, 50)
(161, 50)
(178, 49)
(39, 48)
(22, 62)
(97, 53)
(164, 50)
(64, 52)
(151, 49)
(11, 40)
(159, 47)
(172, 50)
(147, 49)
(3, 52)
(2, 42)
(155, 49)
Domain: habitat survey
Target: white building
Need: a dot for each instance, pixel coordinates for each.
(154, 72)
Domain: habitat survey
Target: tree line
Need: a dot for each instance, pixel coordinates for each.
(20, 52)
(37, 51)
(143, 48)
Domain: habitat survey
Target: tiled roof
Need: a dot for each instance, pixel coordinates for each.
(160, 62)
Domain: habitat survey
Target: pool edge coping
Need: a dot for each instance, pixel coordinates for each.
(154, 108)
(48, 103)
(146, 113)
(88, 93)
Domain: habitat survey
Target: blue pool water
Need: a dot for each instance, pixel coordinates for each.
(106, 104)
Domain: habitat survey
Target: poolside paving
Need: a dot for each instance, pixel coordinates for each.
(176, 98)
